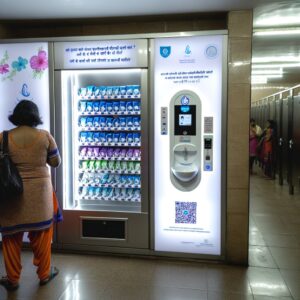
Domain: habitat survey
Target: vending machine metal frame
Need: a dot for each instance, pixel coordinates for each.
(125, 229)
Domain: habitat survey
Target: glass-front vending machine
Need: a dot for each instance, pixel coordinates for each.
(101, 126)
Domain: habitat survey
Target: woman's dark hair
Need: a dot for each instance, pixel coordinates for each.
(26, 113)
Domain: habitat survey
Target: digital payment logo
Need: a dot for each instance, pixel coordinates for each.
(165, 51)
(185, 100)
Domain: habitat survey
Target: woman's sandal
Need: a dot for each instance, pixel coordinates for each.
(8, 285)
(53, 272)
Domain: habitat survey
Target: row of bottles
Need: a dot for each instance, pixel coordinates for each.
(109, 147)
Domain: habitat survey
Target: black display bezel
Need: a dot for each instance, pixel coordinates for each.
(185, 130)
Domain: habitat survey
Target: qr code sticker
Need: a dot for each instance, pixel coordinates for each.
(186, 212)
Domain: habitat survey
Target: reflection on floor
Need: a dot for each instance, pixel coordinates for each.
(274, 271)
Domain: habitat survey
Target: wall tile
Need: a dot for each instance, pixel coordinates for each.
(239, 93)
(240, 50)
(240, 23)
(239, 74)
(238, 201)
(239, 96)
(237, 240)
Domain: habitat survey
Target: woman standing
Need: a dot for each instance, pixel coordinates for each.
(31, 149)
(253, 142)
(268, 149)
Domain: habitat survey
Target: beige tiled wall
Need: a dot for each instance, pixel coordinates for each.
(239, 91)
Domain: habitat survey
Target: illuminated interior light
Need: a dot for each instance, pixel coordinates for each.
(277, 32)
(275, 66)
(276, 59)
(279, 20)
(268, 72)
(267, 87)
(259, 79)
(240, 63)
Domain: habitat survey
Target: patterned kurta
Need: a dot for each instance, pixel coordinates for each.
(33, 210)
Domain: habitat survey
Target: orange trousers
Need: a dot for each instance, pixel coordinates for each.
(40, 242)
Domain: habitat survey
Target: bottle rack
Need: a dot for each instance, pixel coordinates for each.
(109, 148)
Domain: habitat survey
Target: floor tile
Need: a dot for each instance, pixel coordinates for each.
(261, 257)
(272, 298)
(171, 293)
(256, 238)
(292, 279)
(180, 276)
(84, 290)
(282, 240)
(286, 258)
(228, 296)
(267, 282)
(228, 279)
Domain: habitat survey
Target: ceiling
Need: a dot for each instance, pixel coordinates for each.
(33, 9)
(276, 53)
(275, 47)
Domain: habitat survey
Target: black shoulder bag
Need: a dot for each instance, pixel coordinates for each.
(11, 184)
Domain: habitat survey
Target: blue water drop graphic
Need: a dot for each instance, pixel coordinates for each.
(25, 91)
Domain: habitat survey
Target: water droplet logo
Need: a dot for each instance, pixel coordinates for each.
(25, 90)
(211, 52)
(188, 50)
(185, 100)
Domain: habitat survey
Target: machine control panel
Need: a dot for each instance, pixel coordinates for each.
(208, 153)
(164, 121)
(185, 140)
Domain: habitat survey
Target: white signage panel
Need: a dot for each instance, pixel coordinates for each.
(24, 75)
(101, 54)
(188, 221)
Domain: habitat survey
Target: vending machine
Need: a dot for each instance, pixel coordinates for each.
(101, 117)
(189, 142)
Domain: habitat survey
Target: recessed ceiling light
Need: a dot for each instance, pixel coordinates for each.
(275, 32)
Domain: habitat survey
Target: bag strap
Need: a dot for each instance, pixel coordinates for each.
(5, 142)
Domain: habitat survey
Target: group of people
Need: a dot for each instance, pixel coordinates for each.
(32, 150)
(261, 147)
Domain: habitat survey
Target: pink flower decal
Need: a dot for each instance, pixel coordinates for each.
(4, 69)
(39, 62)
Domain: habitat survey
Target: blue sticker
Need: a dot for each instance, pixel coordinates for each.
(165, 51)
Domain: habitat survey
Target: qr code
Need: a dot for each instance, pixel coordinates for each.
(186, 212)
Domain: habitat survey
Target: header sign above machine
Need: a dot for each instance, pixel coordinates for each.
(101, 54)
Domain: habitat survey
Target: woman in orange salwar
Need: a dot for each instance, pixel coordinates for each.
(31, 150)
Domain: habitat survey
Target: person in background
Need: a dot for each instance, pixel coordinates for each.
(31, 150)
(253, 142)
(268, 149)
(257, 127)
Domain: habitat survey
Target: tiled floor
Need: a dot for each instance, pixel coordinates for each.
(274, 271)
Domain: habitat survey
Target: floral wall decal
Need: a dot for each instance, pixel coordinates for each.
(19, 64)
(38, 63)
